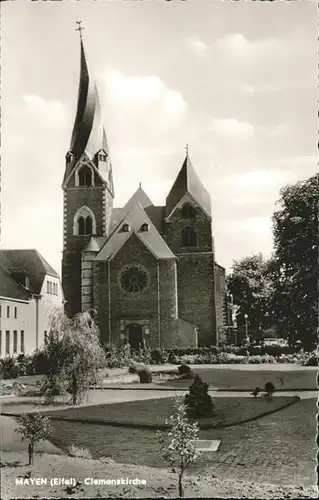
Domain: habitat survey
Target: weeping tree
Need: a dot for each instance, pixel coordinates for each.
(74, 353)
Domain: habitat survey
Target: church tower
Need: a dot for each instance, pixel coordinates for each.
(87, 186)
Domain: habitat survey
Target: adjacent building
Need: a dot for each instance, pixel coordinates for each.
(148, 272)
(30, 290)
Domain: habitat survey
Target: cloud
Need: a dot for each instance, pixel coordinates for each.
(233, 127)
(147, 101)
(196, 45)
(51, 113)
(237, 45)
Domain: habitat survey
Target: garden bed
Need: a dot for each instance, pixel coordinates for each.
(241, 380)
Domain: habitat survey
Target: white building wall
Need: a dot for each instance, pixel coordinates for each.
(32, 318)
(51, 299)
(24, 322)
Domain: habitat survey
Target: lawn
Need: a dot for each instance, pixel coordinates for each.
(154, 412)
(232, 379)
(279, 447)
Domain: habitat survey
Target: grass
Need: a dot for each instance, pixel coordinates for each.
(265, 447)
(242, 380)
(228, 411)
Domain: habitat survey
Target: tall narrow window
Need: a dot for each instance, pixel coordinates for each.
(81, 223)
(48, 287)
(0, 311)
(22, 341)
(85, 176)
(8, 311)
(189, 237)
(15, 341)
(88, 225)
(7, 342)
(15, 313)
(0, 343)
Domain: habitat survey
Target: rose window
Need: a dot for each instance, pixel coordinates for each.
(133, 279)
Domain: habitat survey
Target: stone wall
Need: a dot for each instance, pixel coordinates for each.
(157, 305)
(201, 223)
(196, 294)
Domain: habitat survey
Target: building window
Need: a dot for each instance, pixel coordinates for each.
(0, 311)
(188, 211)
(85, 225)
(22, 341)
(125, 228)
(15, 313)
(15, 341)
(84, 222)
(7, 342)
(27, 282)
(85, 176)
(8, 311)
(102, 157)
(189, 237)
(0, 342)
(145, 227)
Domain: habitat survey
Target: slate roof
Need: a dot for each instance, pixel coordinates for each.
(88, 136)
(9, 287)
(29, 262)
(187, 181)
(151, 238)
(95, 243)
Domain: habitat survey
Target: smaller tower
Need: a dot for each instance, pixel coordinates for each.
(87, 185)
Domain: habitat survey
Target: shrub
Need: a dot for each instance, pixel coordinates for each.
(185, 370)
(75, 451)
(199, 403)
(142, 371)
(9, 368)
(34, 428)
(269, 388)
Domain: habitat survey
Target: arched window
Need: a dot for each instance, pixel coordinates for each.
(188, 211)
(81, 225)
(189, 237)
(85, 176)
(84, 222)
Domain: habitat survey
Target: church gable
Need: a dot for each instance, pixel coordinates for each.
(138, 223)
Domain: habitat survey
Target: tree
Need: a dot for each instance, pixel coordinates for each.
(180, 450)
(251, 286)
(295, 267)
(74, 353)
(34, 428)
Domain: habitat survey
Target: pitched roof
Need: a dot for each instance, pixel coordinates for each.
(138, 197)
(151, 238)
(10, 288)
(95, 243)
(29, 262)
(187, 181)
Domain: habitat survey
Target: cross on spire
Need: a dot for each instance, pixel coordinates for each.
(186, 149)
(140, 184)
(79, 28)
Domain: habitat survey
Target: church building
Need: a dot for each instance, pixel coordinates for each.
(148, 272)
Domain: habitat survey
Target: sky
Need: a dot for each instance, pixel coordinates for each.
(236, 81)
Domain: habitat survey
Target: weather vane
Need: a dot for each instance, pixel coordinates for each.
(186, 149)
(79, 28)
(140, 184)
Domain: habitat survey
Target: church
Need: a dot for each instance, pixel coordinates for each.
(148, 272)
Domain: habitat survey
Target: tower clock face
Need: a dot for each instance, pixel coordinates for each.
(133, 279)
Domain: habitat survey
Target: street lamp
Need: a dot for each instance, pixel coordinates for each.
(246, 321)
